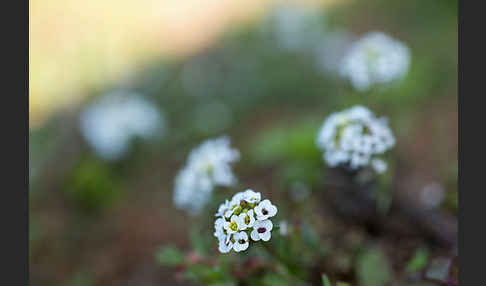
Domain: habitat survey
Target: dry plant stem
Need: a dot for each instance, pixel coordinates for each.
(355, 202)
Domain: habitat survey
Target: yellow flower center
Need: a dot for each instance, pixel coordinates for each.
(233, 226)
(247, 219)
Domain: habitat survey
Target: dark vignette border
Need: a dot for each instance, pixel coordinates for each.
(471, 188)
(15, 142)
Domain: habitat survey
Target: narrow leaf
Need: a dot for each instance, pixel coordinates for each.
(325, 280)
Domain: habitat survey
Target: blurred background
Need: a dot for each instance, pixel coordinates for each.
(263, 72)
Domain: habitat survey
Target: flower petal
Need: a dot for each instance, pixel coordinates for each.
(254, 235)
(266, 236)
(267, 224)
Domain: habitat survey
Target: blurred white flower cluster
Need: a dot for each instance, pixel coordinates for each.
(208, 166)
(297, 28)
(376, 58)
(355, 138)
(112, 122)
(245, 216)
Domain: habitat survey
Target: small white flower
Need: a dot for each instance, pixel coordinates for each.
(229, 212)
(222, 209)
(262, 230)
(241, 241)
(375, 58)
(379, 165)
(247, 219)
(237, 198)
(233, 204)
(265, 210)
(213, 158)
(252, 197)
(191, 192)
(242, 200)
(219, 227)
(208, 166)
(234, 225)
(359, 159)
(284, 228)
(225, 244)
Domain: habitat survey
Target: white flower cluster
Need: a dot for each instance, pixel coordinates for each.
(375, 58)
(208, 166)
(109, 124)
(355, 138)
(245, 216)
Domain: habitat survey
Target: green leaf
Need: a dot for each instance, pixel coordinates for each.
(169, 256)
(274, 280)
(203, 273)
(342, 284)
(82, 279)
(325, 280)
(373, 268)
(93, 185)
(418, 261)
(292, 141)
